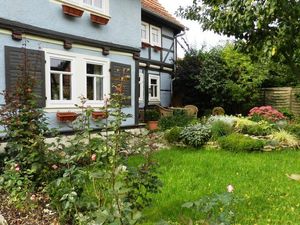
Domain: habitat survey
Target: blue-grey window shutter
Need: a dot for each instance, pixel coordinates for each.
(15, 59)
(121, 74)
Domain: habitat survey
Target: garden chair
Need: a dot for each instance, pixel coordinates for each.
(191, 110)
(164, 112)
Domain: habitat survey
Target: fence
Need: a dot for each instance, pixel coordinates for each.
(282, 97)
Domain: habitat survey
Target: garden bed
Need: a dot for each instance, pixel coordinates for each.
(35, 216)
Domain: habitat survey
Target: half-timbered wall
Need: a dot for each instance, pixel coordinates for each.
(159, 63)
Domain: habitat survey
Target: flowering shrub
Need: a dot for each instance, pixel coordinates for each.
(224, 118)
(266, 113)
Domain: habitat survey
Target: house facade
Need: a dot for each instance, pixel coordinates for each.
(159, 30)
(83, 47)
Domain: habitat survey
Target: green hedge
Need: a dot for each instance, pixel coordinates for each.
(238, 143)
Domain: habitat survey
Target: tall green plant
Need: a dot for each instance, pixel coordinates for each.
(25, 158)
(95, 184)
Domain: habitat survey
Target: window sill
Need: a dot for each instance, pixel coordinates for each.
(154, 102)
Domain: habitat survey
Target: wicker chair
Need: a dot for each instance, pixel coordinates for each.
(164, 112)
(191, 110)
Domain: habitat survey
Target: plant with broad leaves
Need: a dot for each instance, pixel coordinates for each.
(196, 135)
(215, 208)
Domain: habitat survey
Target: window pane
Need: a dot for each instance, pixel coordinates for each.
(144, 34)
(98, 4)
(60, 65)
(66, 87)
(94, 69)
(55, 86)
(88, 2)
(155, 91)
(99, 88)
(90, 88)
(153, 81)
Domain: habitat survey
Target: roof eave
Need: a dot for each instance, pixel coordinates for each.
(177, 28)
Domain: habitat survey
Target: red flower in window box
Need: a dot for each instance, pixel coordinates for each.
(99, 19)
(145, 45)
(97, 115)
(157, 48)
(66, 116)
(71, 11)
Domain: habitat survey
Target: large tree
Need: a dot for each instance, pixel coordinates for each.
(268, 26)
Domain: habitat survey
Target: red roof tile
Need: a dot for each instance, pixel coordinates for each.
(156, 8)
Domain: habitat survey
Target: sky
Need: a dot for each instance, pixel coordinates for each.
(194, 36)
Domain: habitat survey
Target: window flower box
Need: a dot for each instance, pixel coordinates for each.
(98, 115)
(145, 45)
(99, 19)
(66, 116)
(157, 48)
(71, 11)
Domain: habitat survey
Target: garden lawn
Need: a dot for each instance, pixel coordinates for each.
(266, 194)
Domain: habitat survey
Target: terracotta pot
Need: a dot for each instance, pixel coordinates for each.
(99, 115)
(152, 125)
(70, 11)
(66, 116)
(99, 19)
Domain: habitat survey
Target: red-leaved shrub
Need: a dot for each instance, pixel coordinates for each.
(266, 113)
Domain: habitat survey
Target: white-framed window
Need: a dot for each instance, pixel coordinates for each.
(70, 75)
(154, 87)
(95, 6)
(94, 81)
(145, 32)
(141, 84)
(155, 36)
(60, 79)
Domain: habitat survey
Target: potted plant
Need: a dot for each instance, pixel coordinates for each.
(71, 11)
(99, 115)
(66, 116)
(152, 117)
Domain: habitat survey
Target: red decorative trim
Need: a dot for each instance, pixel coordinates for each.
(157, 48)
(99, 19)
(70, 11)
(66, 116)
(16, 35)
(145, 45)
(136, 56)
(99, 115)
(67, 44)
(105, 51)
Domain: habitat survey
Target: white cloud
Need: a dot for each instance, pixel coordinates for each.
(195, 36)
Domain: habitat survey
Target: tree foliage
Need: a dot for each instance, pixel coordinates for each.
(268, 26)
(220, 77)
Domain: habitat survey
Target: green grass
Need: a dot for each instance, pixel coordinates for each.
(267, 195)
